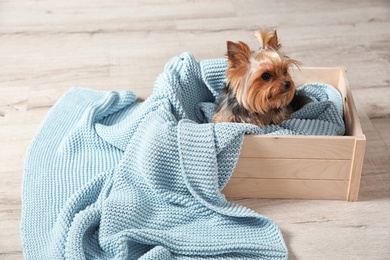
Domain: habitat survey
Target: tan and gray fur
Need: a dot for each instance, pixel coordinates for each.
(259, 88)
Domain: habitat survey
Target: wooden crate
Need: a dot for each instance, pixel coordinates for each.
(304, 167)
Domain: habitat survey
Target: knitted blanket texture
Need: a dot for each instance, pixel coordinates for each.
(107, 177)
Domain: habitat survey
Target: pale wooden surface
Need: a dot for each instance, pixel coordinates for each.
(48, 46)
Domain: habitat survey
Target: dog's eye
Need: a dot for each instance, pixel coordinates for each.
(285, 72)
(266, 76)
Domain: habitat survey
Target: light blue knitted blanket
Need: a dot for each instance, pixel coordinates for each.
(107, 177)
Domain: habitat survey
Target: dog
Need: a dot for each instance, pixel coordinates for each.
(259, 89)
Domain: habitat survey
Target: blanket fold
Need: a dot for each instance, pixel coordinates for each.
(107, 177)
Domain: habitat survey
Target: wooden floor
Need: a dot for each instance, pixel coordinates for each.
(48, 46)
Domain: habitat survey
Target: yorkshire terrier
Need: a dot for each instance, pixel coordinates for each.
(259, 89)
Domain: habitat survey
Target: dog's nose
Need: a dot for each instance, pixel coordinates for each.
(287, 84)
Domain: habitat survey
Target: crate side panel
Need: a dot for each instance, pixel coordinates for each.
(312, 74)
(351, 117)
(286, 189)
(266, 168)
(297, 147)
(356, 170)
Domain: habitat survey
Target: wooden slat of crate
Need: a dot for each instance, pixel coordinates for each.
(325, 75)
(303, 147)
(286, 188)
(310, 169)
(356, 170)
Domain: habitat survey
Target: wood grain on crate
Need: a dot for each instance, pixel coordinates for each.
(286, 188)
(312, 147)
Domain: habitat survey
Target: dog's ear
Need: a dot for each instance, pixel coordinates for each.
(268, 38)
(273, 41)
(238, 55)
